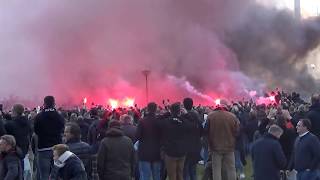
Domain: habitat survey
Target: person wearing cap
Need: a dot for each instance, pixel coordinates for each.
(11, 157)
(116, 155)
(222, 128)
(267, 155)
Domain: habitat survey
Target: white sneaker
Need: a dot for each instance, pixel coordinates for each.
(242, 176)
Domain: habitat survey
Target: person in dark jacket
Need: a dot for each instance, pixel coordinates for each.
(194, 140)
(149, 137)
(287, 139)
(81, 149)
(48, 126)
(175, 131)
(128, 128)
(267, 155)
(67, 166)
(2, 129)
(84, 127)
(314, 115)
(20, 128)
(306, 152)
(11, 157)
(116, 156)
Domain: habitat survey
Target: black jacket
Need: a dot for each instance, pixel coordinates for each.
(306, 153)
(149, 137)
(195, 132)
(130, 130)
(49, 126)
(116, 156)
(20, 128)
(314, 116)
(72, 170)
(11, 165)
(287, 140)
(268, 158)
(175, 131)
(84, 152)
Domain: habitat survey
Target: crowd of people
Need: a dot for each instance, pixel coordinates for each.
(163, 142)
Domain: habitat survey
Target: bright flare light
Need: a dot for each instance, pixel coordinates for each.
(114, 103)
(128, 102)
(85, 100)
(272, 98)
(218, 101)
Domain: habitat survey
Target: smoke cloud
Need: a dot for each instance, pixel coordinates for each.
(199, 48)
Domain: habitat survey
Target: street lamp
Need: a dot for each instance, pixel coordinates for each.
(146, 73)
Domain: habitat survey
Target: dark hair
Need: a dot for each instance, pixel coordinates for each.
(152, 107)
(188, 103)
(49, 101)
(175, 108)
(74, 129)
(306, 123)
(315, 99)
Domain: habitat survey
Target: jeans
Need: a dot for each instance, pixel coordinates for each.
(149, 169)
(223, 165)
(239, 165)
(45, 161)
(189, 170)
(308, 175)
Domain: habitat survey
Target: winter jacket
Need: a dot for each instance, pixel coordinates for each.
(49, 126)
(116, 156)
(287, 140)
(306, 152)
(175, 131)
(71, 169)
(314, 116)
(11, 165)
(268, 158)
(84, 152)
(223, 127)
(130, 130)
(149, 136)
(195, 133)
(20, 128)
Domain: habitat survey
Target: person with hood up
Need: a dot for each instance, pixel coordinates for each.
(116, 156)
(67, 166)
(11, 156)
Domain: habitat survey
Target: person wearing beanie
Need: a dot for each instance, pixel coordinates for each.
(116, 155)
